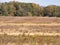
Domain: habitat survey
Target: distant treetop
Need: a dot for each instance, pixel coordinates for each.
(28, 9)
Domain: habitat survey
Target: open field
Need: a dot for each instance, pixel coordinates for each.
(29, 19)
(29, 40)
(29, 30)
(30, 25)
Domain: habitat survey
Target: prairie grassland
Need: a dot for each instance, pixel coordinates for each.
(29, 40)
(30, 25)
(31, 28)
(29, 31)
(12, 19)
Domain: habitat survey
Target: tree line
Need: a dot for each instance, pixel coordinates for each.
(28, 9)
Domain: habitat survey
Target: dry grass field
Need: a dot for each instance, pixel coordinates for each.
(29, 40)
(12, 19)
(29, 30)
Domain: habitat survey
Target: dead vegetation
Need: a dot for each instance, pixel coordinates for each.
(29, 40)
(12, 19)
(11, 29)
(29, 25)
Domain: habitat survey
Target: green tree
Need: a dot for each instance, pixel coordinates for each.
(51, 11)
